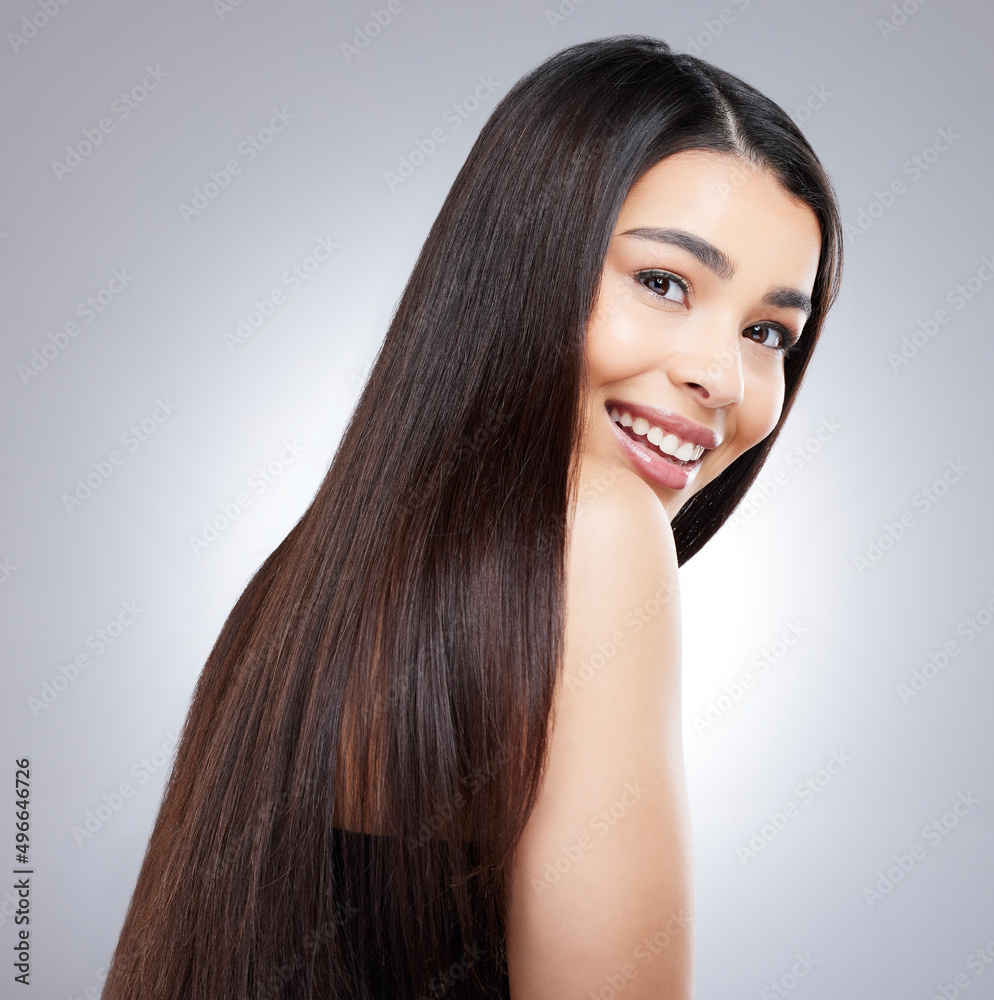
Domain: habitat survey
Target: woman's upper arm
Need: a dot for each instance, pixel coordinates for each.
(602, 891)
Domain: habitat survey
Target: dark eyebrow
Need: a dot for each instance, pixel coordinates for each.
(707, 253)
(789, 298)
(717, 261)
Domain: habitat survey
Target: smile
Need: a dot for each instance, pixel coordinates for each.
(669, 444)
(666, 448)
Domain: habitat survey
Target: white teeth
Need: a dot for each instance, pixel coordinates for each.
(668, 443)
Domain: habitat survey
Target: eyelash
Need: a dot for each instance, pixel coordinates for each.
(788, 337)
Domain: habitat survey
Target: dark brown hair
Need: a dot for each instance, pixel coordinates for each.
(401, 644)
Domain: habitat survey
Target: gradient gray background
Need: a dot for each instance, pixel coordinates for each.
(893, 432)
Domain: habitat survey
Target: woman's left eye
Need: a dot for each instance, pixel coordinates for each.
(665, 285)
(770, 335)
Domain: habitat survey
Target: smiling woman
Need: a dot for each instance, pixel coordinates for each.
(705, 290)
(437, 747)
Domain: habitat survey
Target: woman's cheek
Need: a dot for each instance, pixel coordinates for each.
(768, 406)
(616, 339)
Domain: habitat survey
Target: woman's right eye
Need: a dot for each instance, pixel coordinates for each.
(665, 285)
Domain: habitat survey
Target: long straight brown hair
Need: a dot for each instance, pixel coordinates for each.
(394, 659)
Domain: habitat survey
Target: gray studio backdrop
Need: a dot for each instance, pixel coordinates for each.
(208, 213)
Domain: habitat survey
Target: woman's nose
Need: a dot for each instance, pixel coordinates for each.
(711, 366)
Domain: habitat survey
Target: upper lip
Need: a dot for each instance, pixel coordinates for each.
(669, 421)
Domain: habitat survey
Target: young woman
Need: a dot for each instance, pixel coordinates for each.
(436, 749)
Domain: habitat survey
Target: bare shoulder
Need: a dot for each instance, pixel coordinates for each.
(618, 525)
(602, 885)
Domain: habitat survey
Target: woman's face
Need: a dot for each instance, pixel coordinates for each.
(707, 280)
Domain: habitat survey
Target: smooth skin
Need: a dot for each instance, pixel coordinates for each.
(603, 888)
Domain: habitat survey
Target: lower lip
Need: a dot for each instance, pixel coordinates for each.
(653, 464)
